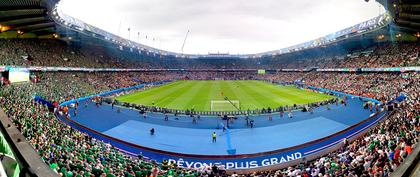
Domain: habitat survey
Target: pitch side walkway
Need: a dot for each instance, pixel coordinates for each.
(182, 136)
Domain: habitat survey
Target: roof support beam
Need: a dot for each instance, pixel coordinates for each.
(23, 25)
(11, 8)
(36, 27)
(6, 19)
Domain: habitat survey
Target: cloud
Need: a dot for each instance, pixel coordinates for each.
(235, 26)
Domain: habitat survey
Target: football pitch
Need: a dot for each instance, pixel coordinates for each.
(209, 95)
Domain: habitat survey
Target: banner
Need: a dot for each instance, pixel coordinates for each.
(42, 101)
(338, 69)
(394, 69)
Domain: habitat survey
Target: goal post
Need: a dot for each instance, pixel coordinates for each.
(224, 105)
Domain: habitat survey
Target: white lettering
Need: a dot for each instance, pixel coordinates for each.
(298, 155)
(241, 165)
(253, 164)
(230, 165)
(238, 165)
(189, 165)
(283, 160)
(265, 162)
(291, 157)
(180, 162)
(198, 165)
(274, 161)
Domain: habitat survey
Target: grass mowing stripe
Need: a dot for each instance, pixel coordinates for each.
(285, 96)
(230, 88)
(134, 95)
(249, 101)
(265, 100)
(199, 96)
(228, 91)
(266, 89)
(293, 94)
(213, 94)
(163, 94)
(175, 94)
(188, 98)
(146, 94)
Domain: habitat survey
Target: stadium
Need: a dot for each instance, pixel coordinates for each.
(80, 101)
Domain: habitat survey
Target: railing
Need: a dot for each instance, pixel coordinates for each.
(408, 166)
(28, 161)
(9, 165)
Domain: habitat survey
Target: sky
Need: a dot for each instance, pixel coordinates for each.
(221, 26)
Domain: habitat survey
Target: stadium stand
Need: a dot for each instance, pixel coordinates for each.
(370, 154)
(47, 52)
(376, 152)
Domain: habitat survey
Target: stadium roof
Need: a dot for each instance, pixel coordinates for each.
(41, 17)
(406, 14)
(26, 16)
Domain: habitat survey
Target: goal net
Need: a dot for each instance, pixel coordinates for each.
(224, 105)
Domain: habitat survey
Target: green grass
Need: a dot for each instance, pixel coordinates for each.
(251, 94)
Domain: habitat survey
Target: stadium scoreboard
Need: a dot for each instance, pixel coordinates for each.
(261, 71)
(19, 75)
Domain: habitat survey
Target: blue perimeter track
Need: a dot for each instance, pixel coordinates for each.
(182, 136)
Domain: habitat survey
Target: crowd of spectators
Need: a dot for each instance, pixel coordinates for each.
(63, 86)
(75, 153)
(383, 55)
(72, 153)
(372, 85)
(383, 148)
(66, 150)
(47, 52)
